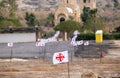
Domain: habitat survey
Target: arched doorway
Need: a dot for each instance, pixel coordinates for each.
(62, 19)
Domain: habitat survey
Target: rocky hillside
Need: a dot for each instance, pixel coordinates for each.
(106, 9)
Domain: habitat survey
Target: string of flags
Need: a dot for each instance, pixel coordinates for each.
(42, 42)
(77, 43)
(60, 57)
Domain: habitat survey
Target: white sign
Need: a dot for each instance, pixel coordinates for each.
(10, 44)
(60, 57)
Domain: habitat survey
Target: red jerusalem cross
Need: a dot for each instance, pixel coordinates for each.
(60, 57)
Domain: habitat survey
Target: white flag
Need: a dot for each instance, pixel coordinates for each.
(86, 43)
(80, 42)
(60, 57)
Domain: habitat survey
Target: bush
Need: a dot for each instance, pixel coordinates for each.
(116, 36)
(91, 36)
(6, 24)
(108, 37)
(9, 22)
(16, 22)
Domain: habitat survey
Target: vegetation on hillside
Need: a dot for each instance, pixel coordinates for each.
(91, 22)
(116, 3)
(92, 19)
(50, 20)
(31, 19)
(7, 14)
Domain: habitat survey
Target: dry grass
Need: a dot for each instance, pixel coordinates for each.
(40, 69)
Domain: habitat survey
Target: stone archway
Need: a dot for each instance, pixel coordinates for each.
(89, 75)
(62, 19)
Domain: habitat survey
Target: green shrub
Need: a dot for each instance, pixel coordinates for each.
(116, 36)
(6, 24)
(91, 36)
(108, 37)
(16, 22)
(9, 22)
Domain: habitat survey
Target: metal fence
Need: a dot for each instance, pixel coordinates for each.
(30, 50)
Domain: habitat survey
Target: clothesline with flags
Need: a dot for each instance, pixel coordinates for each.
(42, 42)
(77, 43)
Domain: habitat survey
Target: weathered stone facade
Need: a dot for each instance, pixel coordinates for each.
(71, 9)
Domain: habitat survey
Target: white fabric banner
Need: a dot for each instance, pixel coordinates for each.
(60, 57)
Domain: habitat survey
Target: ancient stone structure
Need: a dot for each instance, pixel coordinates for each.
(71, 9)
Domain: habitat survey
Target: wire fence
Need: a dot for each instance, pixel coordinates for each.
(29, 50)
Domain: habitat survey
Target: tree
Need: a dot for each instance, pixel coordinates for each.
(31, 19)
(90, 20)
(93, 13)
(8, 8)
(50, 19)
(91, 25)
(116, 3)
(12, 8)
(86, 14)
(68, 26)
(117, 29)
(2, 8)
(7, 14)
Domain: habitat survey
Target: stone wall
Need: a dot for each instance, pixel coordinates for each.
(17, 37)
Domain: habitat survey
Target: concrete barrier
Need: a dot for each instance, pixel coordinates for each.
(17, 37)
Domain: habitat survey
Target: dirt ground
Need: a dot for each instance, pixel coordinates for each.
(35, 68)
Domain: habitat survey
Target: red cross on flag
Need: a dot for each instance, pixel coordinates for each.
(60, 57)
